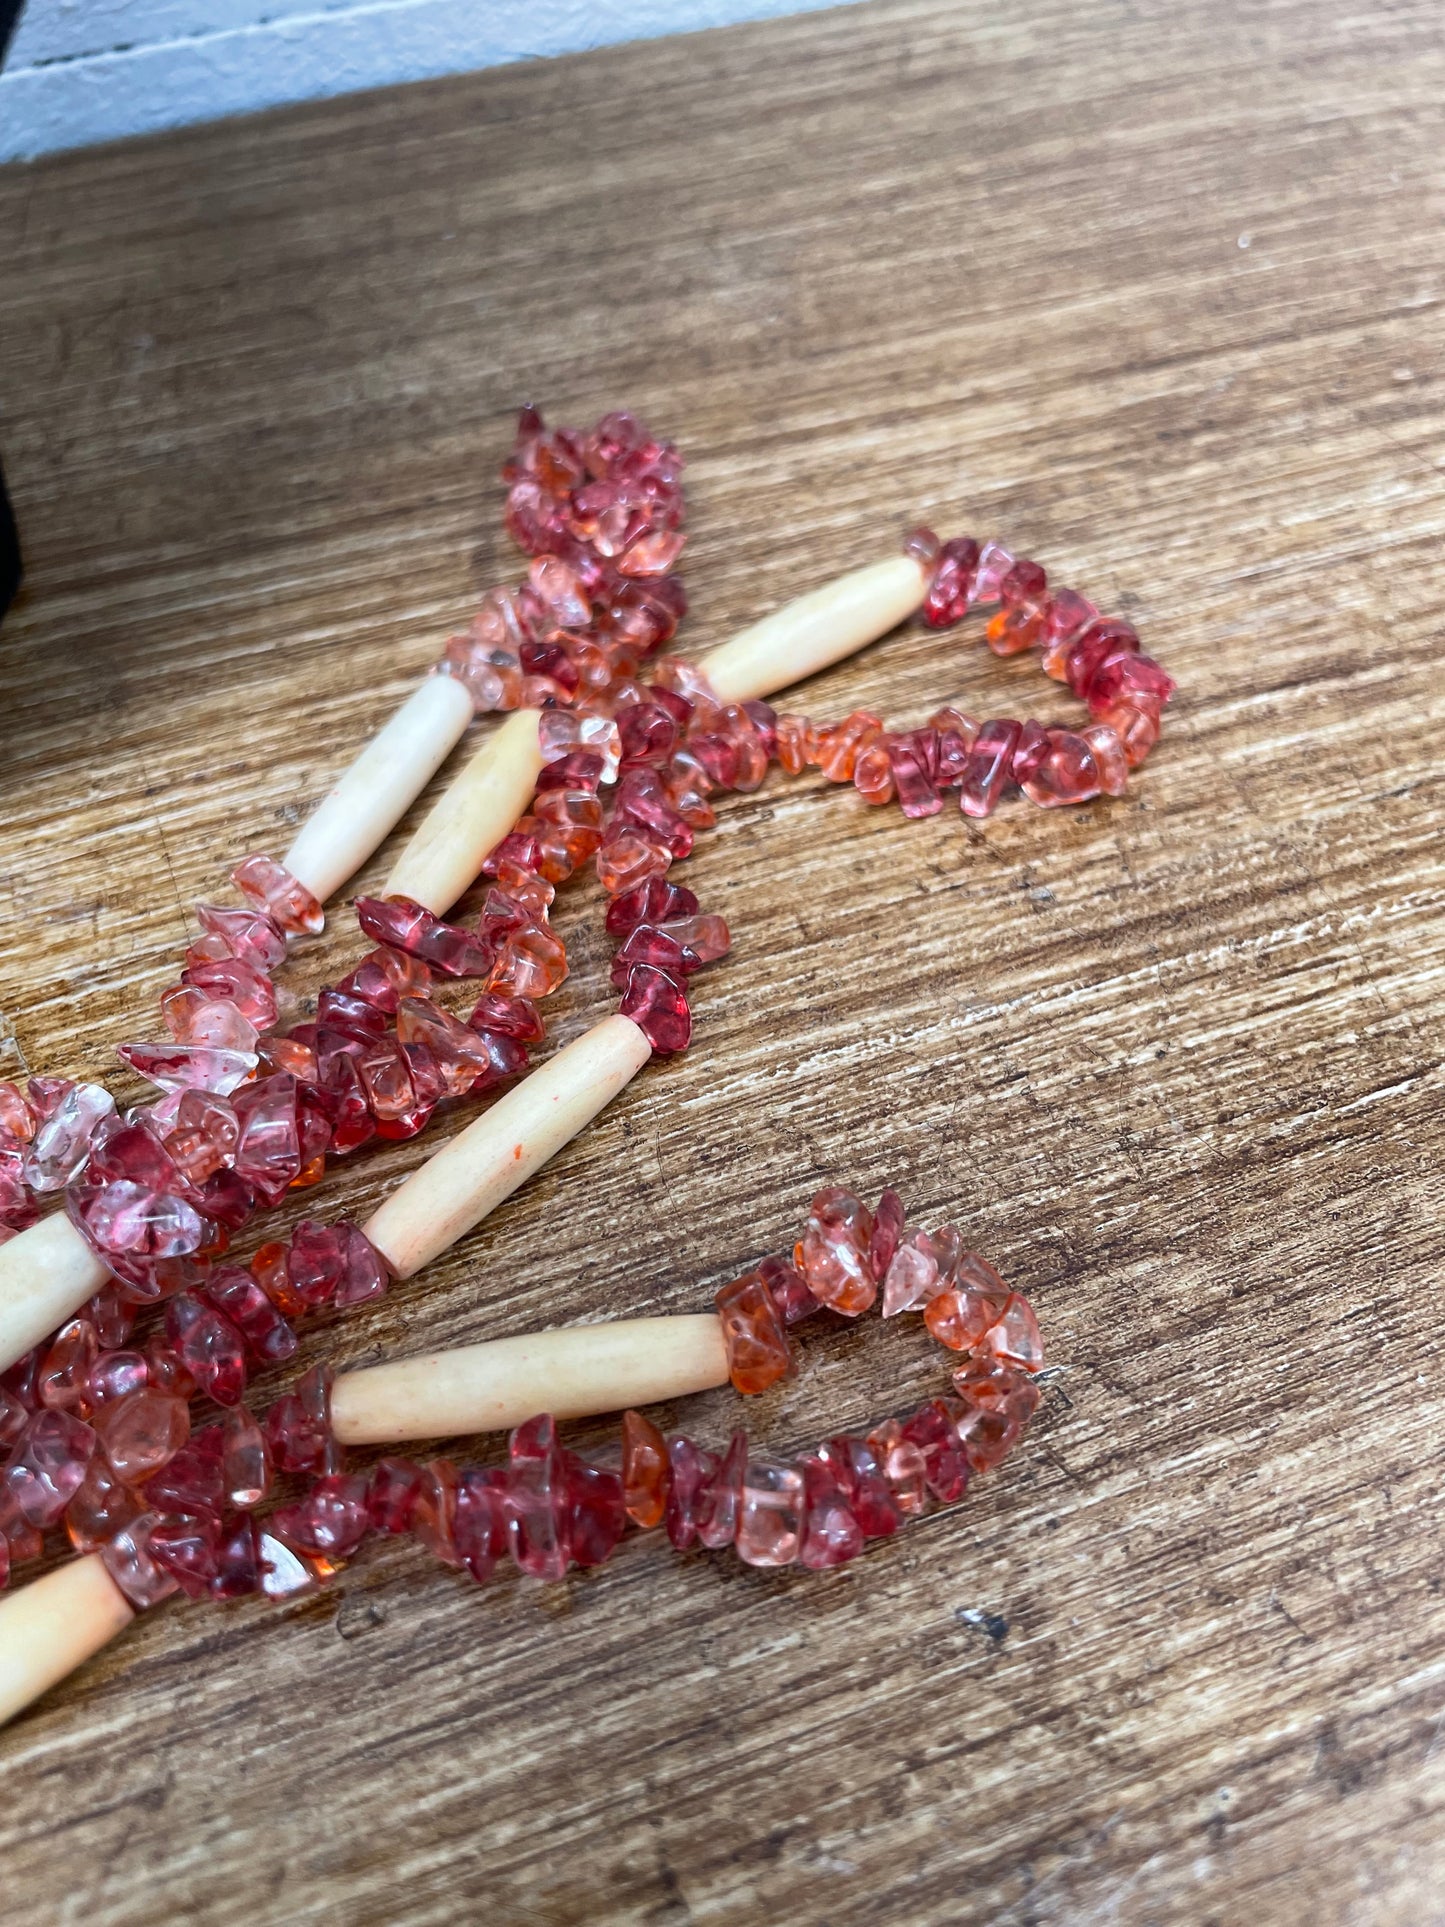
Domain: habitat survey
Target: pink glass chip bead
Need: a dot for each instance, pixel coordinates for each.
(289, 904)
(770, 1514)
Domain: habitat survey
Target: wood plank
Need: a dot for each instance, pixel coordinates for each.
(1154, 290)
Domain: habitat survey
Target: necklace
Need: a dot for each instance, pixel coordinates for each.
(251, 1108)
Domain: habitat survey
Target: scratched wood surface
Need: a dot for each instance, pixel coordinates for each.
(1154, 289)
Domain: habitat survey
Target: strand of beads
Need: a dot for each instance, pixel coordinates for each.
(190, 1522)
(601, 513)
(248, 1113)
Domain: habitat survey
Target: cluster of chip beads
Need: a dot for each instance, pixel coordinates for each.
(172, 1510)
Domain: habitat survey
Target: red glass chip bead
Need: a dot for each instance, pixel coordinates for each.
(268, 1143)
(994, 564)
(887, 1230)
(913, 762)
(833, 1254)
(115, 1374)
(653, 901)
(757, 1343)
(628, 858)
(1023, 606)
(831, 1534)
(952, 587)
(719, 1499)
(274, 891)
(63, 1381)
(188, 1548)
(480, 1527)
(945, 1468)
(902, 1467)
(235, 1292)
(857, 1469)
(434, 1511)
(298, 1426)
(997, 1400)
(530, 962)
(788, 1290)
(60, 1142)
(332, 1519)
(400, 924)
(142, 1431)
(129, 1562)
(238, 1560)
(47, 1464)
(100, 1506)
(245, 1460)
(989, 768)
(596, 1510)
(234, 981)
(1065, 773)
(538, 1501)
(396, 1485)
(209, 1346)
(658, 1005)
(689, 1470)
(193, 1480)
(1013, 1335)
(285, 1573)
(646, 1471)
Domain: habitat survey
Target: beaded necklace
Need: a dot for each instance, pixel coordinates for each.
(251, 1109)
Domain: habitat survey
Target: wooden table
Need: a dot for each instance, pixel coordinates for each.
(1156, 290)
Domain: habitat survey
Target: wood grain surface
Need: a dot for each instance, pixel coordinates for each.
(1153, 288)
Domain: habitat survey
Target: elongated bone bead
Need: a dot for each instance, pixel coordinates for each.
(459, 1184)
(46, 1275)
(570, 1373)
(356, 817)
(55, 1624)
(819, 628)
(470, 817)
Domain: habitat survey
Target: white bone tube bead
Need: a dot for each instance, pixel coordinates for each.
(471, 816)
(356, 817)
(46, 1275)
(571, 1373)
(459, 1184)
(55, 1624)
(819, 628)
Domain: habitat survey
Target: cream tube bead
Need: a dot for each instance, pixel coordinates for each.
(55, 1624)
(356, 817)
(471, 816)
(817, 629)
(459, 1184)
(46, 1275)
(571, 1373)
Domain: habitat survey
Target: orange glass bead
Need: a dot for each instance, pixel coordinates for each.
(1109, 757)
(838, 747)
(959, 1319)
(628, 859)
(793, 743)
(646, 1474)
(873, 774)
(757, 1344)
(1137, 729)
(833, 1254)
(269, 1269)
(532, 962)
